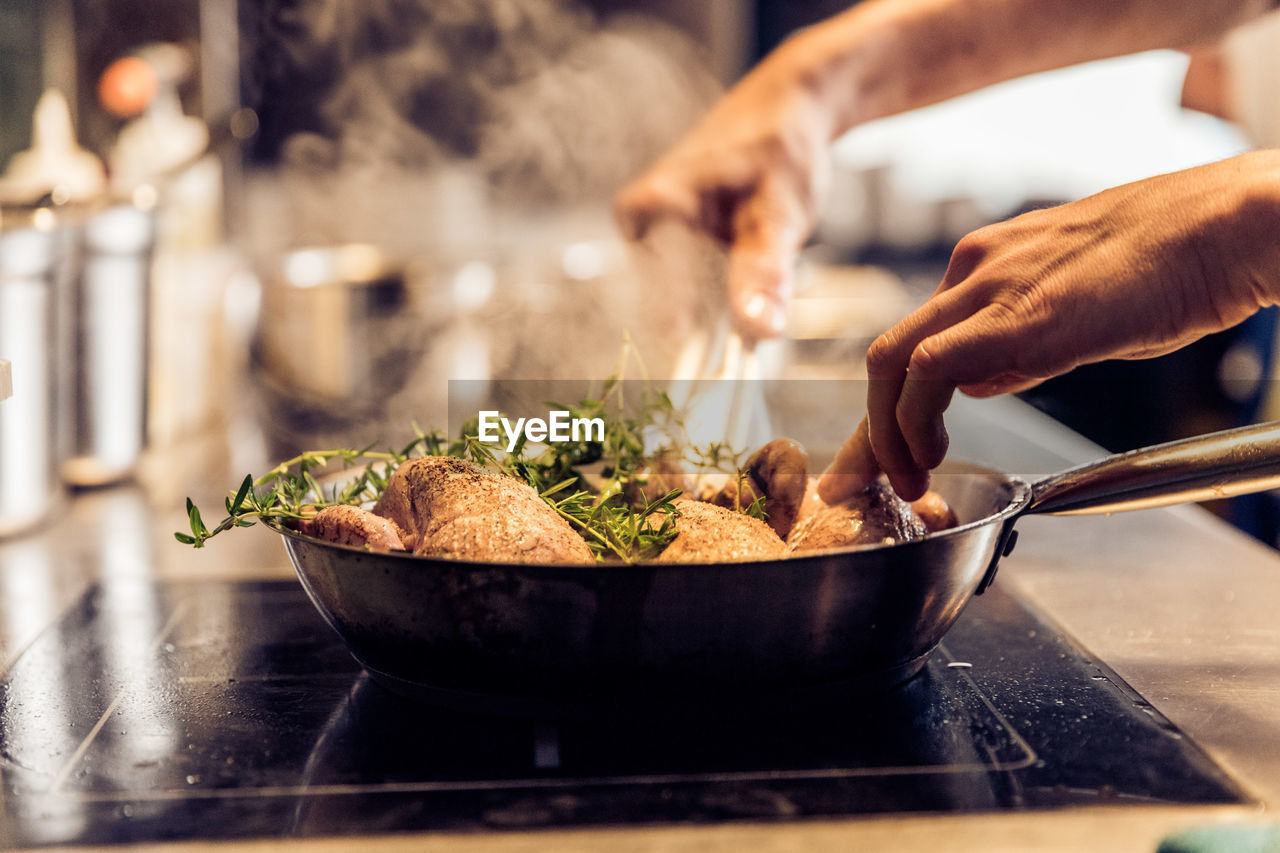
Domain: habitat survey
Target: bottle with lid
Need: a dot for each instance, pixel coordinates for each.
(98, 275)
(163, 154)
(45, 192)
(55, 170)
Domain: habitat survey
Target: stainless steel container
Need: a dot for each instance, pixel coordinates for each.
(342, 333)
(108, 342)
(29, 484)
(337, 324)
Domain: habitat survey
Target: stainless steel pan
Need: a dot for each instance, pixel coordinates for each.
(555, 639)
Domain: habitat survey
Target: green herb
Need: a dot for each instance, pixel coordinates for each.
(291, 490)
(612, 528)
(615, 523)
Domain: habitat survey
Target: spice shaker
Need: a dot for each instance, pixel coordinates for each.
(109, 347)
(29, 484)
(100, 288)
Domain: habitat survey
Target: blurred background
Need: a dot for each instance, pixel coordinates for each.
(234, 229)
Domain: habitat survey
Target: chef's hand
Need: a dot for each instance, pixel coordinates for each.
(1133, 272)
(748, 175)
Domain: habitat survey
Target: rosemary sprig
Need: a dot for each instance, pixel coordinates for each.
(611, 528)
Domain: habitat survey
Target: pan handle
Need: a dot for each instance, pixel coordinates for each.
(1217, 465)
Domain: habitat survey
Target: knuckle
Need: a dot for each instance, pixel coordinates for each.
(972, 243)
(881, 356)
(928, 359)
(968, 252)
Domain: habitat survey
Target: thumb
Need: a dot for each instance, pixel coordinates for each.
(853, 469)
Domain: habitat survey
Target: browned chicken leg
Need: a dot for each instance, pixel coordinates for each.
(778, 472)
(351, 525)
(870, 516)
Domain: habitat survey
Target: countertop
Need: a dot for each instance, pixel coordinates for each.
(1178, 603)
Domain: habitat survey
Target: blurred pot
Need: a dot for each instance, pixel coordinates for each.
(337, 326)
(341, 331)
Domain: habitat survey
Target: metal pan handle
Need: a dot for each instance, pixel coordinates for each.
(1216, 465)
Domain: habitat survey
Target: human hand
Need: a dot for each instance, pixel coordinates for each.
(854, 468)
(749, 176)
(1133, 272)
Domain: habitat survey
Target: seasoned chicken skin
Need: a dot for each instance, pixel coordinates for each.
(351, 525)
(871, 516)
(451, 507)
(713, 534)
(444, 506)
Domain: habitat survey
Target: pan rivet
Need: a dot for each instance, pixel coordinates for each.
(1009, 543)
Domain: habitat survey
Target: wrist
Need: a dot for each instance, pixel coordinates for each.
(825, 65)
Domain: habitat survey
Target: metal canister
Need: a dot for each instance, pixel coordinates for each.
(29, 484)
(108, 378)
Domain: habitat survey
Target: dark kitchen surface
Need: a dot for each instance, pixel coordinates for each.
(229, 710)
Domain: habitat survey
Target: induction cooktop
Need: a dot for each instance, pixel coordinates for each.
(182, 711)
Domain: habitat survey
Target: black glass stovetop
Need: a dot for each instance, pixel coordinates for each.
(230, 710)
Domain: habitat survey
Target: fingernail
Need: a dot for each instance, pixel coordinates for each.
(776, 318)
(755, 306)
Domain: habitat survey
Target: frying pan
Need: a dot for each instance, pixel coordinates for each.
(566, 639)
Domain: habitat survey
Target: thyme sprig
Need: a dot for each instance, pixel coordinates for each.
(606, 512)
(291, 490)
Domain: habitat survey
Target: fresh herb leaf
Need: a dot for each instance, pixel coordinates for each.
(610, 512)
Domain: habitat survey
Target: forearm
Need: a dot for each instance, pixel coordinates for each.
(886, 56)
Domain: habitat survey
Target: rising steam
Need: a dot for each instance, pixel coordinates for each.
(538, 100)
(469, 136)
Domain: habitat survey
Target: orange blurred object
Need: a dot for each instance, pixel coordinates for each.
(127, 87)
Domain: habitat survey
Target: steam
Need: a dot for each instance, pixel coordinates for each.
(481, 140)
(534, 101)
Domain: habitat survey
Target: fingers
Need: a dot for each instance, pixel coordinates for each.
(915, 369)
(762, 257)
(919, 416)
(892, 452)
(762, 221)
(760, 285)
(1008, 383)
(762, 237)
(650, 199)
(853, 469)
(888, 362)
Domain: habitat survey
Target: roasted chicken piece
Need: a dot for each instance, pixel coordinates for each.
(870, 516)
(935, 512)
(351, 525)
(778, 472)
(713, 534)
(450, 507)
(444, 506)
